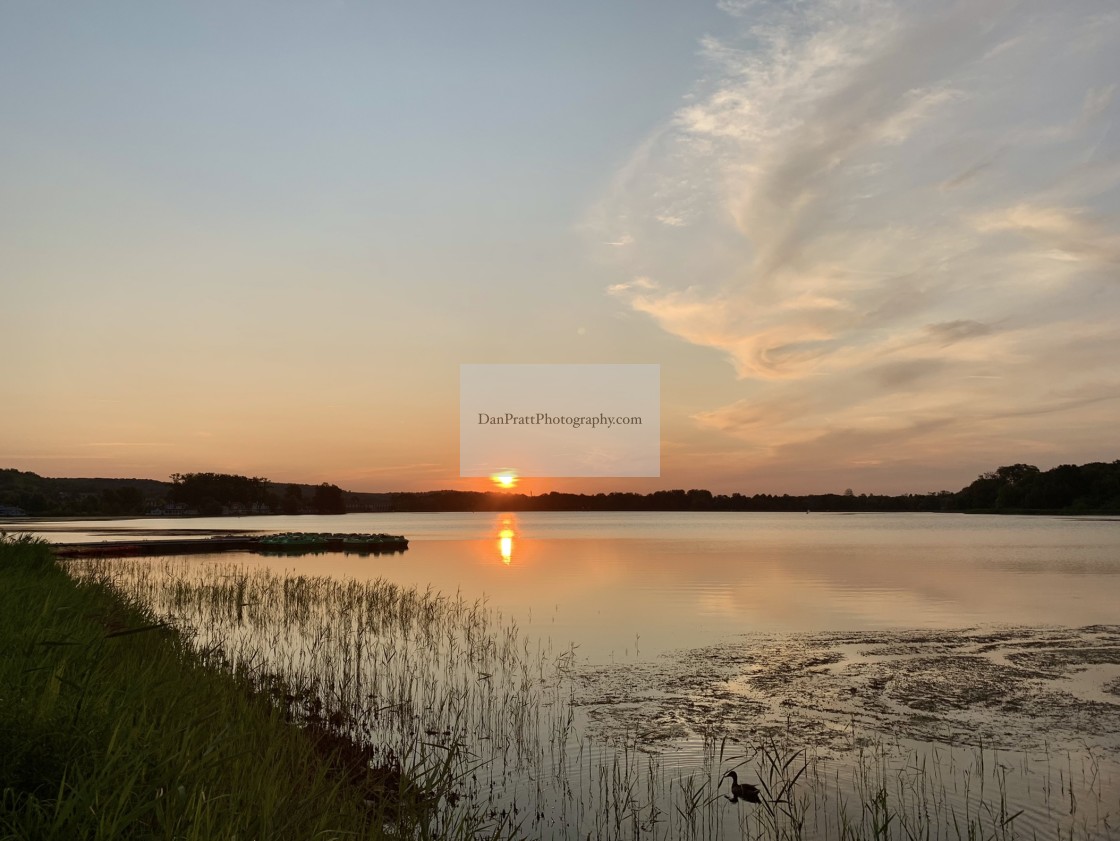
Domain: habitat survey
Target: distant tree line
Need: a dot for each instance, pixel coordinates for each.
(1023, 487)
(211, 494)
(39, 496)
(672, 500)
(214, 494)
(202, 494)
(1016, 488)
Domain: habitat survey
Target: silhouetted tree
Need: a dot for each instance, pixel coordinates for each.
(212, 494)
(329, 500)
(293, 500)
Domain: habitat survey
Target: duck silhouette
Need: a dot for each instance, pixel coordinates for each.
(741, 791)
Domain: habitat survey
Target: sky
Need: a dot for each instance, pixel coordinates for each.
(872, 245)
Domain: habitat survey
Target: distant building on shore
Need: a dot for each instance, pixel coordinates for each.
(173, 509)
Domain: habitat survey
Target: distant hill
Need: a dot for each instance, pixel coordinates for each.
(202, 494)
(1019, 488)
(40, 496)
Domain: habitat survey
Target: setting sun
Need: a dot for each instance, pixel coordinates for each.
(507, 479)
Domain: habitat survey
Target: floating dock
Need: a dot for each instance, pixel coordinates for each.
(289, 543)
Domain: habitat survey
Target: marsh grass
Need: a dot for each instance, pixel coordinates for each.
(460, 725)
(112, 726)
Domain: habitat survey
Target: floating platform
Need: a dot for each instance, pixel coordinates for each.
(289, 543)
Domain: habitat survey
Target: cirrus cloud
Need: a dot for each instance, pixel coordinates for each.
(900, 224)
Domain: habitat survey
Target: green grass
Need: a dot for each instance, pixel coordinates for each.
(111, 728)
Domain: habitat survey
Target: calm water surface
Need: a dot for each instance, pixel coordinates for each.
(620, 585)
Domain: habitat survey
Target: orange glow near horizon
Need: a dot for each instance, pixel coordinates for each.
(506, 480)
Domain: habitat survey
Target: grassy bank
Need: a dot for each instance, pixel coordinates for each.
(110, 727)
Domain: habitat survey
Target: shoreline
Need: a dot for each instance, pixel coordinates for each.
(113, 725)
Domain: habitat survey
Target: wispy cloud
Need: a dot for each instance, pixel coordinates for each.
(900, 222)
(127, 444)
(1062, 232)
(635, 284)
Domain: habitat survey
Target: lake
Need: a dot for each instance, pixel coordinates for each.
(688, 640)
(657, 581)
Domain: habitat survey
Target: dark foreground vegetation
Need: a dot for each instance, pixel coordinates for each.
(1014, 489)
(110, 727)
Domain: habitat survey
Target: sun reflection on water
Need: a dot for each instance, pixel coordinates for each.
(506, 533)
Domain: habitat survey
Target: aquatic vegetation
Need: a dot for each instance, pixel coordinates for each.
(503, 736)
(112, 728)
(1014, 688)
